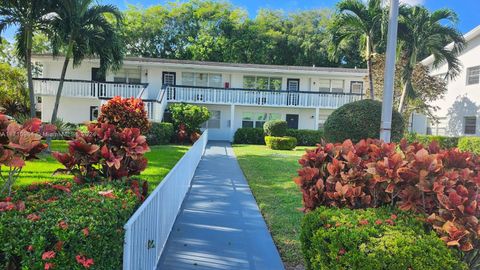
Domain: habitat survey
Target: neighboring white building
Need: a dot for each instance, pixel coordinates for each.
(237, 95)
(459, 113)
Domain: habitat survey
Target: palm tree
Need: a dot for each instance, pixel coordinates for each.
(421, 34)
(357, 20)
(28, 16)
(82, 29)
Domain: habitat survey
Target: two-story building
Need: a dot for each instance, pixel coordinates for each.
(237, 95)
(459, 110)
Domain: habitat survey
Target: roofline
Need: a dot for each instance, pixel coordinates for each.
(472, 34)
(228, 66)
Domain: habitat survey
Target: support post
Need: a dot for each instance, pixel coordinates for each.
(387, 105)
(317, 118)
(232, 121)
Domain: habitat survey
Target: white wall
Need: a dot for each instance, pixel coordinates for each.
(72, 110)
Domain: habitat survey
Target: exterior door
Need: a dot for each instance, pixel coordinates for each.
(293, 85)
(97, 78)
(169, 78)
(292, 121)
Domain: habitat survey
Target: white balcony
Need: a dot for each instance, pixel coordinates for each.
(298, 99)
(87, 89)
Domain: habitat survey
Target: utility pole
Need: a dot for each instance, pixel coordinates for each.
(389, 79)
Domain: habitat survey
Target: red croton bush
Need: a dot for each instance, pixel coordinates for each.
(125, 113)
(443, 184)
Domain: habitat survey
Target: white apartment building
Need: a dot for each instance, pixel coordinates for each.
(237, 95)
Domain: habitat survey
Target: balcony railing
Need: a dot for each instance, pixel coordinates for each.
(88, 89)
(211, 95)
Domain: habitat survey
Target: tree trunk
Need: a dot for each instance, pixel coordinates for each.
(369, 67)
(401, 105)
(59, 90)
(28, 63)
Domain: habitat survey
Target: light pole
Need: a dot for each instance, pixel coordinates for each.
(389, 79)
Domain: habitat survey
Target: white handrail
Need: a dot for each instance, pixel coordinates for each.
(147, 231)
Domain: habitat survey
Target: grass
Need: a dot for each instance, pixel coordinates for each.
(161, 159)
(269, 174)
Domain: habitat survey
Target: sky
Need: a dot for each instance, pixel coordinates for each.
(467, 10)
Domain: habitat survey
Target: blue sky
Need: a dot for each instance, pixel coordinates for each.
(467, 10)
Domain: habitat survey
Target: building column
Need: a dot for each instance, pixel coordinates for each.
(317, 118)
(232, 121)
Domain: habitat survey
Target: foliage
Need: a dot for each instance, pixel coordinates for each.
(13, 93)
(440, 183)
(191, 116)
(66, 226)
(470, 144)
(160, 133)
(125, 113)
(276, 128)
(363, 121)
(306, 137)
(443, 141)
(374, 238)
(280, 143)
(249, 136)
(19, 143)
(104, 153)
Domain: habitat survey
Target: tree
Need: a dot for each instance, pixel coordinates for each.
(421, 34)
(29, 16)
(83, 30)
(13, 92)
(357, 20)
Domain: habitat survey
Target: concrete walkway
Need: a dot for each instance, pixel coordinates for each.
(220, 225)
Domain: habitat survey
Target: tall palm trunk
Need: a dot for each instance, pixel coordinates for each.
(369, 67)
(403, 98)
(60, 84)
(28, 64)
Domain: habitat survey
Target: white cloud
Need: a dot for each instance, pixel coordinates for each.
(413, 2)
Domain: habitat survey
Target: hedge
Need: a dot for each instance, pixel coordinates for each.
(360, 120)
(249, 136)
(160, 133)
(374, 238)
(280, 143)
(306, 137)
(65, 225)
(444, 141)
(275, 128)
(470, 144)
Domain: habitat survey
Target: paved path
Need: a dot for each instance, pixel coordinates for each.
(220, 225)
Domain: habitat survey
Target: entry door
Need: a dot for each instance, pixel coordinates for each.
(97, 78)
(169, 78)
(292, 121)
(293, 85)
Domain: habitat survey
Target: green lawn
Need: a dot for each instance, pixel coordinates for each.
(269, 174)
(160, 160)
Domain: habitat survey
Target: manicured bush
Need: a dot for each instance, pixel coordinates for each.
(441, 183)
(280, 143)
(192, 116)
(375, 238)
(160, 133)
(275, 128)
(360, 120)
(104, 152)
(306, 137)
(125, 113)
(249, 136)
(66, 226)
(471, 144)
(444, 141)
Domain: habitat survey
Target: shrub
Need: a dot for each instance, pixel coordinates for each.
(440, 183)
(444, 141)
(249, 136)
(280, 143)
(160, 133)
(471, 144)
(360, 120)
(275, 128)
(306, 137)
(104, 153)
(125, 113)
(66, 225)
(191, 116)
(17, 144)
(374, 238)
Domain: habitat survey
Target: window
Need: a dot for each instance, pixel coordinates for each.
(356, 87)
(337, 86)
(262, 83)
(473, 75)
(256, 120)
(470, 124)
(214, 121)
(324, 85)
(93, 113)
(128, 76)
(202, 79)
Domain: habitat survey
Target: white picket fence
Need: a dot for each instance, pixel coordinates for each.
(147, 231)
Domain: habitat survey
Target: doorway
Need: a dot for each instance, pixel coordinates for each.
(293, 85)
(292, 121)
